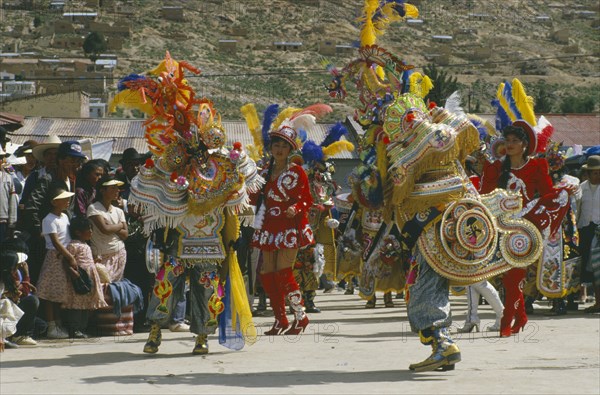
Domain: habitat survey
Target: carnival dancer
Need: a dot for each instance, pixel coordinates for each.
(447, 232)
(190, 194)
(283, 207)
(281, 223)
(520, 172)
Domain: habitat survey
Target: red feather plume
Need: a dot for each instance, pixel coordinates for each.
(544, 131)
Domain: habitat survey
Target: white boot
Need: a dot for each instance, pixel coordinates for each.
(491, 295)
(472, 321)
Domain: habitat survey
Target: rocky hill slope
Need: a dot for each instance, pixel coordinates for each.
(551, 46)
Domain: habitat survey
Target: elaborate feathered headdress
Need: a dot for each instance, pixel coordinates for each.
(289, 124)
(514, 107)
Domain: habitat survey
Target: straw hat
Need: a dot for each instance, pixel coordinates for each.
(38, 150)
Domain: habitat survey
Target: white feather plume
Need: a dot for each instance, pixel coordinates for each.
(453, 104)
(305, 121)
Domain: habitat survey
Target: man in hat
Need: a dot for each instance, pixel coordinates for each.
(69, 158)
(45, 154)
(588, 221)
(8, 198)
(24, 170)
(130, 166)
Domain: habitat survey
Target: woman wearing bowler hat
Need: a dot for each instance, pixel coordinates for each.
(282, 228)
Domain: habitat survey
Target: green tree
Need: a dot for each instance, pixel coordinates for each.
(37, 21)
(93, 45)
(443, 84)
(543, 99)
(577, 105)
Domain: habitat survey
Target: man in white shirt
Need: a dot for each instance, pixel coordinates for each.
(588, 219)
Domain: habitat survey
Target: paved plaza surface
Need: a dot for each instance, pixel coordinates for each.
(346, 349)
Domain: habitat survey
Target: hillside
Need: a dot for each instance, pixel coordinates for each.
(491, 41)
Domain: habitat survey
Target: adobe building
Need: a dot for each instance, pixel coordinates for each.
(75, 104)
(292, 46)
(327, 47)
(228, 46)
(172, 13)
(67, 41)
(62, 27)
(84, 18)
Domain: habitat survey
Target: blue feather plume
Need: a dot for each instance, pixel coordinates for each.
(406, 80)
(311, 152)
(334, 134)
(507, 93)
(268, 118)
(480, 128)
(122, 85)
(502, 118)
(302, 135)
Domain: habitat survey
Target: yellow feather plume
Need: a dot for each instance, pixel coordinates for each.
(251, 117)
(367, 33)
(415, 83)
(253, 152)
(523, 102)
(337, 147)
(426, 85)
(284, 114)
(411, 11)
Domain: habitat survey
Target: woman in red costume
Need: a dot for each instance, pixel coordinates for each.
(543, 205)
(281, 228)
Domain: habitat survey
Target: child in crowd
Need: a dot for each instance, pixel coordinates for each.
(10, 313)
(78, 306)
(59, 265)
(21, 292)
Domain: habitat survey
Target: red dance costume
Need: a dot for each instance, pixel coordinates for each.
(278, 231)
(544, 206)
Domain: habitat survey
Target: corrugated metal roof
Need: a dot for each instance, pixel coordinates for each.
(130, 133)
(570, 129)
(11, 119)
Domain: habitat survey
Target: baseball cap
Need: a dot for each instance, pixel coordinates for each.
(71, 148)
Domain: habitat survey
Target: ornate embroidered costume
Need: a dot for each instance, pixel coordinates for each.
(412, 156)
(290, 189)
(190, 193)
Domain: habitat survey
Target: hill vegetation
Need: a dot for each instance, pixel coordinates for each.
(551, 46)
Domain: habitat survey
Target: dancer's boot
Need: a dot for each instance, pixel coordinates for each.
(445, 353)
(276, 296)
